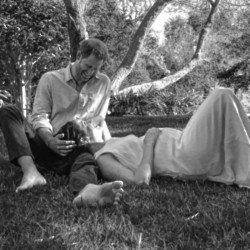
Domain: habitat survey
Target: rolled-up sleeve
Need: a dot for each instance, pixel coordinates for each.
(42, 105)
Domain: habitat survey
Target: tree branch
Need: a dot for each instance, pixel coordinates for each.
(164, 82)
(206, 28)
(211, 2)
(196, 60)
(137, 41)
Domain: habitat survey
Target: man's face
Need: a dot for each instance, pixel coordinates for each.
(87, 67)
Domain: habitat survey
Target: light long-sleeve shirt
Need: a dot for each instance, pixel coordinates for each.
(57, 100)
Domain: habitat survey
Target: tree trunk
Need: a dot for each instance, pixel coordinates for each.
(24, 100)
(128, 62)
(12, 61)
(19, 68)
(76, 24)
(195, 61)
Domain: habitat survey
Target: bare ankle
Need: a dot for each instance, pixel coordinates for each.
(27, 164)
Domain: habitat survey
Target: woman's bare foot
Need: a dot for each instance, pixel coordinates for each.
(30, 179)
(94, 195)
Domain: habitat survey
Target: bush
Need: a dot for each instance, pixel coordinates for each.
(156, 102)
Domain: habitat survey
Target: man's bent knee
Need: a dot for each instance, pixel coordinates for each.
(9, 111)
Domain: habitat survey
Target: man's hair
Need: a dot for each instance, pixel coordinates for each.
(93, 46)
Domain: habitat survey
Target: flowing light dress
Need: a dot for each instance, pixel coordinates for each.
(214, 145)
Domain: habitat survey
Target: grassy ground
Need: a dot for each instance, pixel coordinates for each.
(169, 214)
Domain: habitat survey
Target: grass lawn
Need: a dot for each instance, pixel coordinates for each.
(169, 214)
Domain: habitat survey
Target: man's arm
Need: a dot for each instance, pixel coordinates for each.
(105, 105)
(42, 105)
(45, 134)
(40, 118)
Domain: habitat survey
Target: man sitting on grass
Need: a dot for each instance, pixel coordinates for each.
(77, 92)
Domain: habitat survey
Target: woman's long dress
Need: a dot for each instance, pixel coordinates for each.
(215, 144)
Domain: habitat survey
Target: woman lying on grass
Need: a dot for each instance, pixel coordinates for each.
(215, 145)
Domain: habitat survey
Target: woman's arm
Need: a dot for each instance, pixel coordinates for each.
(98, 129)
(112, 169)
(144, 171)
